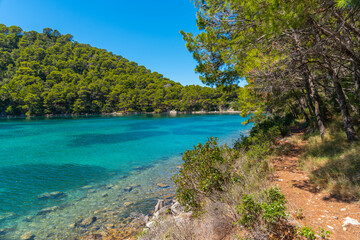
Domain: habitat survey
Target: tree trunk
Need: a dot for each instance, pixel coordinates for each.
(302, 108)
(308, 102)
(349, 128)
(315, 98)
(356, 80)
(309, 83)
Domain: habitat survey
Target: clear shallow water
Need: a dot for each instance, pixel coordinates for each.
(66, 154)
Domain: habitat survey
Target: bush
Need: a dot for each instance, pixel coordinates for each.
(265, 217)
(205, 172)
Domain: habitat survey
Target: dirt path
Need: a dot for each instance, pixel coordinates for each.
(316, 207)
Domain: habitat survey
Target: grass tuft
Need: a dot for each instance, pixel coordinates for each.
(334, 164)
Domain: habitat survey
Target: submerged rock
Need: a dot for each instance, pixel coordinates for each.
(4, 231)
(27, 236)
(7, 216)
(127, 204)
(52, 195)
(87, 222)
(47, 210)
(128, 189)
(162, 185)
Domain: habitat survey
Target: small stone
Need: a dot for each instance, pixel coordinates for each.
(179, 166)
(52, 195)
(87, 187)
(128, 189)
(126, 204)
(344, 228)
(72, 225)
(104, 195)
(330, 227)
(335, 217)
(150, 224)
(27, 236)
(350, 221)
(109, 226)
(87, 222)
(162, 185)
(280, 180)
(28, 219)
(343, 209)
(109, 186)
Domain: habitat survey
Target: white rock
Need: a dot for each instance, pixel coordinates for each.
(160, 204)
(176, 208)
(350, 221)
(330, 227)
(343, 209)
(150, 224)
(280, 180)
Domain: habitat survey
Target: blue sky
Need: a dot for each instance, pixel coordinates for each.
(143, 31)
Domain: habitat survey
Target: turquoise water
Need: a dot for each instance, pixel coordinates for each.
(66, 154)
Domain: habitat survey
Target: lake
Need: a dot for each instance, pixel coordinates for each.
(93, 162)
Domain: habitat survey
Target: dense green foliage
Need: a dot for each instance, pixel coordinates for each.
(49, 73)
(205, 172)
(298, 57)
(269, 210)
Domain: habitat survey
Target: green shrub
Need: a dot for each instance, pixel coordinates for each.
(205, 172)
(266, 216)
(271, 209)
(306, 232)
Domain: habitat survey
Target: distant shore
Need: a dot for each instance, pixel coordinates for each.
(171, 113)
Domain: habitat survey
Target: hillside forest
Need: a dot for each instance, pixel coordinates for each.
(50, 73)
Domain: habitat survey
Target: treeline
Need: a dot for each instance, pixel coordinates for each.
(299, 57)
(50, 73)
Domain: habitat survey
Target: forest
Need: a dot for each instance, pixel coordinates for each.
(50, 73)
(299, 57)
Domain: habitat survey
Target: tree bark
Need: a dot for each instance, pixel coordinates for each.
(349, 128)
(315, 97)
(308, 100)
(302, 108)
(356, 80)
